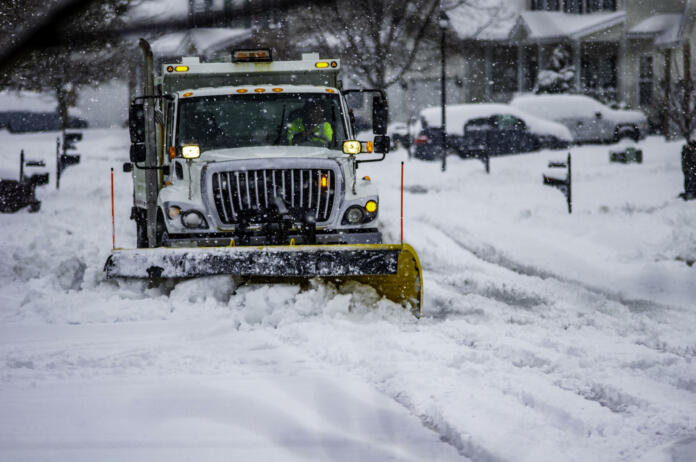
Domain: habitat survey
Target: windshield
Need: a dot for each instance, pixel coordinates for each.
(287, 119)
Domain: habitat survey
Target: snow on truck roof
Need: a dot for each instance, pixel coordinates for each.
(252, 89)
(459, 114)
(310, 70)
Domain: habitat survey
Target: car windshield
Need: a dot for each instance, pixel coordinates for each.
(276, 119)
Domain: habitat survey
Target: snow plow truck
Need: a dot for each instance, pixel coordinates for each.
(249, 168)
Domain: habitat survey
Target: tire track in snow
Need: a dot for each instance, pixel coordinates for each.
(489, 254)
(453, 279)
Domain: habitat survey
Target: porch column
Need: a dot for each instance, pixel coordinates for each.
(668, 94)
(489, 71)
(577, 50)
(621, 88)
(520, 68)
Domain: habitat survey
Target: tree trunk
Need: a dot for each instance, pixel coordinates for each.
(688, 93)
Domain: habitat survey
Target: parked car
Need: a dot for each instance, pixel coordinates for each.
(26, 111)
(398, 132)
(588, 120)
(25, 121)
(495, 128)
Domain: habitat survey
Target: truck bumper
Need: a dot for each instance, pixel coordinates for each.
(363, 237)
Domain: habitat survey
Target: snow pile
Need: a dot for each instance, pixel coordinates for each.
(459, 114)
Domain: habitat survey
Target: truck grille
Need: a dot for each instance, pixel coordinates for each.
(237, 193)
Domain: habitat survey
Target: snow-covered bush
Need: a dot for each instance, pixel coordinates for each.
(559, 75)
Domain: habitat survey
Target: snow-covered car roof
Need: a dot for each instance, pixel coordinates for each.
(28, 101)
(558, 107)
(459, 114)
(210, 91)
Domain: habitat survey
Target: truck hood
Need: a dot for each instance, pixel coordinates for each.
(263, 152)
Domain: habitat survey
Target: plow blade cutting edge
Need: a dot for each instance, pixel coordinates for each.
(392, 269)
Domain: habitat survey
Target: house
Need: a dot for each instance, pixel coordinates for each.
(619, 50)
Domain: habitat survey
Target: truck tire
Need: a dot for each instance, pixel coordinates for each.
(162, 235)
(141, 234)
(138, 215)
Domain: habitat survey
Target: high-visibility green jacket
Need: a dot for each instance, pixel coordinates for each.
(321, 134)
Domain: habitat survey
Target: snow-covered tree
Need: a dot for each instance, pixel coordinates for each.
(63, 68)
(378, 39)
(680, 107)
(558, 76)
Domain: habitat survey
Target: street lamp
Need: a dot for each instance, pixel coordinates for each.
(443, 22)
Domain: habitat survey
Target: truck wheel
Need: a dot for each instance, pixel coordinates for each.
(138, 215)
(141, 234)
(34, 207)
(162, 235)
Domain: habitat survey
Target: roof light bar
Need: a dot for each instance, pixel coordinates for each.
(250, 56)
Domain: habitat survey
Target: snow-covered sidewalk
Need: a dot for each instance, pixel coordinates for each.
(546, 336)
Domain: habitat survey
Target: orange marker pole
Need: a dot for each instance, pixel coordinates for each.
(402, 202)
(113, 220)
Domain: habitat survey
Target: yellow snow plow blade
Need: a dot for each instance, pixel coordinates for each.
(392, 269)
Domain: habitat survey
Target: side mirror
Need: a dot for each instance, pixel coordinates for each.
(138, 153)
(382, 144)
(351, 115)
(380, 115)
(598, 115)
(127, 167)
(136, 122)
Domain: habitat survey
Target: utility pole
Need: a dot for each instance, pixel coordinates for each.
(444, 24)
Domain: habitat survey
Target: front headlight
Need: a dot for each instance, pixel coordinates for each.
(193, 219)
(354, 215)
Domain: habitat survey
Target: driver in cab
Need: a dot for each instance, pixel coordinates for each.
(310, 129)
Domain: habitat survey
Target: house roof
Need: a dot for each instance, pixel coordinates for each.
(664, 29)
(553, 25)
(655, 25)
(484, 23)
(672, 35)
(202, 41)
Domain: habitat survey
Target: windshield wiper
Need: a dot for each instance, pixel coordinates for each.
(280, 127)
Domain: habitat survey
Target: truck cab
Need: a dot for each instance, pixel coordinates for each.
(253, 152)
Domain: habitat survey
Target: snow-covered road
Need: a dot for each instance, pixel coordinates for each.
(545, 336)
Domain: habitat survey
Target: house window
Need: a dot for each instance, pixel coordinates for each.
(588, 6)
(503, 70)
(546, 5)
(594, 6)
(645, 80)
(609, 5)
(599, 76)
(574, 6)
